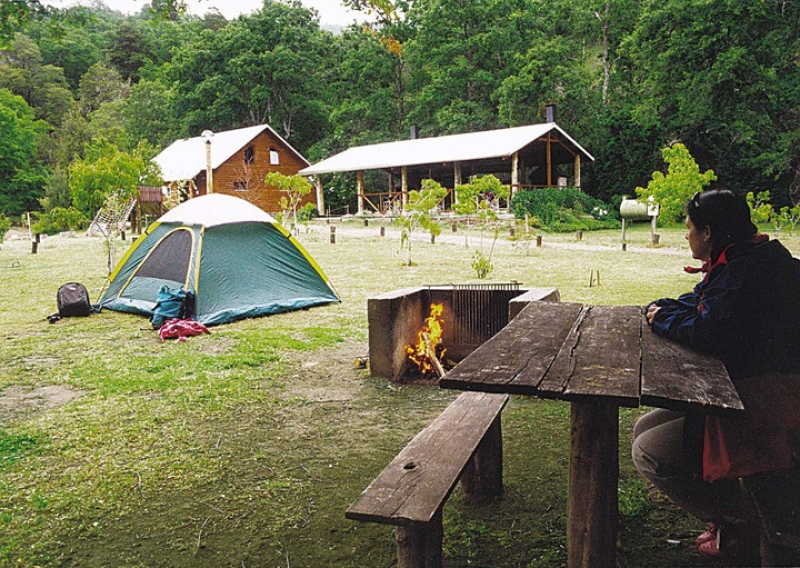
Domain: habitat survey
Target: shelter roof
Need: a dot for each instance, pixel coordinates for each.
(186, 158)
(487, 144)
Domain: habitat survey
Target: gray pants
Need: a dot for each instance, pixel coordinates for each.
(658, 454)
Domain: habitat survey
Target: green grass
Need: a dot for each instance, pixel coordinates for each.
(244, 447)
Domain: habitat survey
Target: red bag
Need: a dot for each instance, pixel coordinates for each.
(758, 439)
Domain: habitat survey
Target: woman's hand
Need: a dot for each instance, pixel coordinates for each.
(651, 313)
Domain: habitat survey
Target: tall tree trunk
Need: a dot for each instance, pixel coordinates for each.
(794, 187)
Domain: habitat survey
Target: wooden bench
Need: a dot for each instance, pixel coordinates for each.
(464, 442)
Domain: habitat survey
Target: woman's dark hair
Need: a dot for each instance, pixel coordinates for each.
(727, 215)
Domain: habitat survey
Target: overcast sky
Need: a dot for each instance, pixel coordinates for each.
(331, 12)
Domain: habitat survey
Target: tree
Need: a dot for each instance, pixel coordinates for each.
(43, 87)
(479, 197)
(108, 172)
(21, 174)
(683, 179)
(74, 50)
(101, 84)
(368, 102)
(547, 73)
(723, 77)
(294, 187)
(459, 55)
(149, 114)
(129, 51)
(256, 70)
(417, 213)
(15, 15)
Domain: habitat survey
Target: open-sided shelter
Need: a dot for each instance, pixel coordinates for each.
(237, 259)
(524, 157)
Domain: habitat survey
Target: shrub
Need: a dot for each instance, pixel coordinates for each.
(307, 212)
(60, 219)
(563, 209)
(5, 226)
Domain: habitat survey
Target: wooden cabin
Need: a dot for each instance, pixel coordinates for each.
(239, 160)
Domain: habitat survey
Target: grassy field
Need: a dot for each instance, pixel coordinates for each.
(243, 448)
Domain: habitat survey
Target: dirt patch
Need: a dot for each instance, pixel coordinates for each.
(18, 402)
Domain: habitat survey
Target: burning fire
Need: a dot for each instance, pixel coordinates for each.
(424, 354)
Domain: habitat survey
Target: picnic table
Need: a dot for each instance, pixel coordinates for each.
(598, 358)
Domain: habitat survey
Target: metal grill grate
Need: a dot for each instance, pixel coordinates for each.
(481, 310)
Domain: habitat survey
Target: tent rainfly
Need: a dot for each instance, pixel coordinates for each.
(238, 260)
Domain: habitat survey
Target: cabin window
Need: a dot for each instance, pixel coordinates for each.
(249, 155)
(274, 158)
(240, 185)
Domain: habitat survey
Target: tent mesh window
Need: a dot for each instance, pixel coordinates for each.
(170, 259)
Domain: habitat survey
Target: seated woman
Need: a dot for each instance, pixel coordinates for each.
(746, 311)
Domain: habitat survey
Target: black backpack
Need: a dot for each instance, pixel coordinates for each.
(73, 301)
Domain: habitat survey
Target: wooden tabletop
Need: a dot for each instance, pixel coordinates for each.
(571, 351)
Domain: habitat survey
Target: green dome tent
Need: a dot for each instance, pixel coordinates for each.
(238, 260)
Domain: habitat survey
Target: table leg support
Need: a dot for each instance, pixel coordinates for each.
(593, 481)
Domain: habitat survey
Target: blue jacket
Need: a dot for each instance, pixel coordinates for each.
(746, 310)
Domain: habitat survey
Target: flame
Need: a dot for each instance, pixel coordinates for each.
(428, 338)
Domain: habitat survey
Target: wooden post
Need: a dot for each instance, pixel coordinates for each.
(623, 229)
(333, 235)
(514, 173)
(454, 226)
(483, 476)
(538, 240)
(360, 181)
(511, 232)
(549, 164)
(577, 170)
(320, 194)
(653, 235)
(404, 186)
(579, 235)
(366, 222)
(594, 476)
(383, 231)
(34, 247)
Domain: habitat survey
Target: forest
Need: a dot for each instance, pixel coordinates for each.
(95, 89)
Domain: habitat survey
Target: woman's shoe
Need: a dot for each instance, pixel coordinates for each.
(737, 541)
(710, 548)
(708, 535)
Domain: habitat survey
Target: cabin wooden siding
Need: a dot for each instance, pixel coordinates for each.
(230, 177)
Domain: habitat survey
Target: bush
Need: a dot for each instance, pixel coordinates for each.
(307, 212)
(60, 219)
(5, 226)
(564, 209)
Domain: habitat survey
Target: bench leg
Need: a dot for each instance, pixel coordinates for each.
(420, 545)
(593, 481)
(483, 475)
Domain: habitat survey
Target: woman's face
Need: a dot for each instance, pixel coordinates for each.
(699, 241)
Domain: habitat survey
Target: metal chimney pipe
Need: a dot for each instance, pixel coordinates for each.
(550, 112)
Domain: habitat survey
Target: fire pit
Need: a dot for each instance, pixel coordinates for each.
(468, 315)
